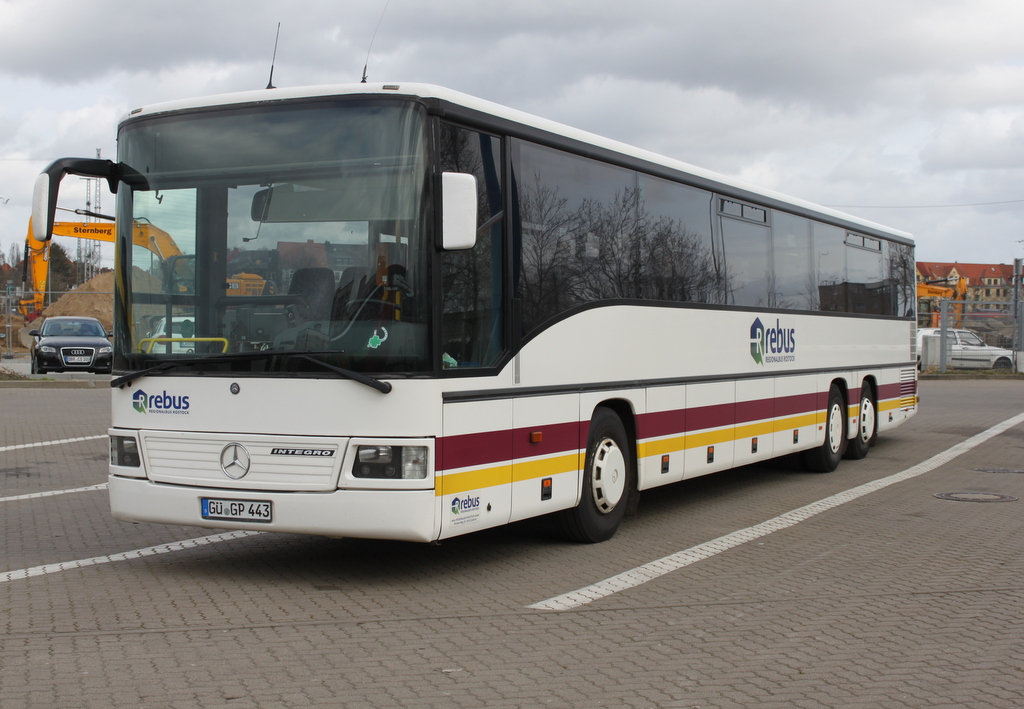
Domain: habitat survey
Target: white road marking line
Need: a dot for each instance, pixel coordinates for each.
(53, 493)
(4, 449)
(660, 567)
(123, 556)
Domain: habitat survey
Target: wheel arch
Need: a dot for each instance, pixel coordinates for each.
(843, 385)
(869, 381)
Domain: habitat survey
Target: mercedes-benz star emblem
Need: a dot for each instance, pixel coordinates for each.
(234, 460)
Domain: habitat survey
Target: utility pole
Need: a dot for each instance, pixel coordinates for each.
(1018, 316)
(89, 253)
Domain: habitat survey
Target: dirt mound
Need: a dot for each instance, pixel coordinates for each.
(94, 299)
(17, 324)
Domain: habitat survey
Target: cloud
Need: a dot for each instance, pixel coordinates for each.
(977, 140)
(897, 102)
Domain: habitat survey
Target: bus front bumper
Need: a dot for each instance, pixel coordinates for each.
(407, 515)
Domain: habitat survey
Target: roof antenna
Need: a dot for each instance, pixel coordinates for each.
(373, 38)
(270, 84)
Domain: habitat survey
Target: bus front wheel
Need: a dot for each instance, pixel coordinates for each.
(608, 480)
(825, 458)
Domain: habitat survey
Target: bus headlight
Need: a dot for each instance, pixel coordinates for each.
(124, 452)
(391, 462)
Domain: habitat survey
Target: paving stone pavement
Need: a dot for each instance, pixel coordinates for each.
(896, 599)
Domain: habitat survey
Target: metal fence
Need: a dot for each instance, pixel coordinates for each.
(989, 335)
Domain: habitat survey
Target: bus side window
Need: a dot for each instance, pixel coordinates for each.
(472, 328)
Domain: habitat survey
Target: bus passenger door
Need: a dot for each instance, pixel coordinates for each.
(474, 461)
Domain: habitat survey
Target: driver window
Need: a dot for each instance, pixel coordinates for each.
(163, 272)
(472, 328)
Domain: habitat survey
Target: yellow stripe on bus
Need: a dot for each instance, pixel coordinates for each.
(890, 404)
(726, 435)
(544, 467)
(456, 483)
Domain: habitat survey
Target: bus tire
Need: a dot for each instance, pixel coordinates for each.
(867, 426)
(825, 458)
(608, 481)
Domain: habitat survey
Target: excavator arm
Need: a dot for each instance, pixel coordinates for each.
(37, 253)
(144, 234)
(928, 316)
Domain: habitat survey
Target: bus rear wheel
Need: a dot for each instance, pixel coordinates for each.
(825, 458)
(608, 480)
(867, 426)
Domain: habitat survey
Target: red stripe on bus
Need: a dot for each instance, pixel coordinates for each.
(480, 449)
(490, 447)
(679, 421)
(473, 449)
(555, 438)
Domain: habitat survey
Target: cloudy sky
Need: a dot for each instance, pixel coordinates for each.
(906, 112)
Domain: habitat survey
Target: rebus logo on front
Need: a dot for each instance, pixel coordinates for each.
(162, 403)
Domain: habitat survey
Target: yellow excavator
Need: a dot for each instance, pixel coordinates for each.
(928, 312)
(144, 234)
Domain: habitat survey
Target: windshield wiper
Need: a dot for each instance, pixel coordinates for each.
(118, 382)
(381, 386)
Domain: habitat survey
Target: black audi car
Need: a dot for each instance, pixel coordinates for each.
(71, 344)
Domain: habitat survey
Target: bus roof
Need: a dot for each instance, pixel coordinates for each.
(456, 98)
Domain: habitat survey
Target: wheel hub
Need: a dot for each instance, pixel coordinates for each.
(835, 428)
(867, 420)
(608, 477)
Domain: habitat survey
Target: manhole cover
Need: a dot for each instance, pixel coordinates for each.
(998, 470)
(975, 497)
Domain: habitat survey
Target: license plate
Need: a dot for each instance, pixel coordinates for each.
(78, 360)
(237, 510)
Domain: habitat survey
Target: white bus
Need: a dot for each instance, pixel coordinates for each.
(464, 316)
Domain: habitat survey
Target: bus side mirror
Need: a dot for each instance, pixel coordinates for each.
(42, 212)
(458, 211)
(44, 193)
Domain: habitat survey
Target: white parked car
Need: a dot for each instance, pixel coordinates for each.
(181, 327)
(965, 350)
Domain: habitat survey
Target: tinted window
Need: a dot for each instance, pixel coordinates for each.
(899, 261)
(586, 231)
(472, 280)
(747, 254)
(577, 237)
(675, 226)
(830, 267)
(794, 285)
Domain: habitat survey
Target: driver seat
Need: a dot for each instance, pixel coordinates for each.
(316, 286)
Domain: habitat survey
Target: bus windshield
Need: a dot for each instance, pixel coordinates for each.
(293, 229)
